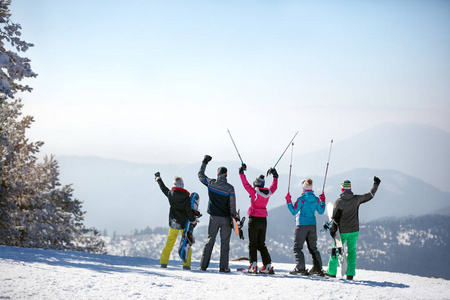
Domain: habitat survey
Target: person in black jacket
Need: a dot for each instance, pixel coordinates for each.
(180, 211)
(346, 220)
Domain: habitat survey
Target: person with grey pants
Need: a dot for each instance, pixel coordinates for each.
(304, 211)
(221, 208)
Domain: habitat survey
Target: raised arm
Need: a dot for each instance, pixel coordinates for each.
(201, 173)
(369, 196)
(162, 186)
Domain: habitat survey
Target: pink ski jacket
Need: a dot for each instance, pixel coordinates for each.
(259, 197)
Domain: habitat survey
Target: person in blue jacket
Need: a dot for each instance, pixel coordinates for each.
(304, 211)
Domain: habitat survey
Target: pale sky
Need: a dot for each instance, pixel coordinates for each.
(161, 81)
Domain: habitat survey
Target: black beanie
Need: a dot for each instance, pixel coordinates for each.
(259, 181)
(222, 171)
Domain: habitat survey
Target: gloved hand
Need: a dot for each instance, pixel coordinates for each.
(197, 214)
(333, 230)
(288, 198)
(242, 169)
(206, 159)
(190, 239)
(322, 197)
(376, 180)
(273, 172)
(157, 176)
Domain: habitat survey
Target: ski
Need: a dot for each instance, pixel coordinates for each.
(338, 249)
(245, 271)
(187, 239)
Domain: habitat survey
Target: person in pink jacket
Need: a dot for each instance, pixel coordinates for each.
(257, 224)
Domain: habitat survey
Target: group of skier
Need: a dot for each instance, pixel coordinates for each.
(222, 211)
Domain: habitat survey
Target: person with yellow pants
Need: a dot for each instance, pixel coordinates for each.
(180, 211)
(345, 218)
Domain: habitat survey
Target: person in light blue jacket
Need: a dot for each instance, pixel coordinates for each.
(304, 211)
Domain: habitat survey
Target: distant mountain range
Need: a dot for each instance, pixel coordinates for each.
(414, 245)
(420, 151)
(123, 196)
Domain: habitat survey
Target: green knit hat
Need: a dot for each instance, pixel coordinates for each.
(346, 185)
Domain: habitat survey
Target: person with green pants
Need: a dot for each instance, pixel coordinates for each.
(345, 218)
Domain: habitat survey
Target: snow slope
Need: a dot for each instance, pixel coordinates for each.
(45, 274)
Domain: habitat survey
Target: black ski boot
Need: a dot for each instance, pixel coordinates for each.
(299, 272)
(316, 271)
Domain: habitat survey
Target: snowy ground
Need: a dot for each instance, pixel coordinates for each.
(45, 274)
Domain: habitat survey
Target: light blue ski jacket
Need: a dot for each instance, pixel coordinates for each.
(305, 208)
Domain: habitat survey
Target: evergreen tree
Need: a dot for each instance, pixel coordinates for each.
(34, 210)
(13, 68)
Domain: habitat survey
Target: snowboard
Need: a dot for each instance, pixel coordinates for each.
(187, 239)
(338, 248)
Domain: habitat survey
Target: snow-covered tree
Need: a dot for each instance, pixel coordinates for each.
(34, 210)
(13, 68)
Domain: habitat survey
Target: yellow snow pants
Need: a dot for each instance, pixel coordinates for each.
(171, 239)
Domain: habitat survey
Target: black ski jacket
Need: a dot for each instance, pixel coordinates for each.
(346, 209)
(180, 206)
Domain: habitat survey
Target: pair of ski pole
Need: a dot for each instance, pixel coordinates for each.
(277, 160)
(291, 143)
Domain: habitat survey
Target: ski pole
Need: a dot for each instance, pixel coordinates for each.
(285, 149)
(290, 167)
(235, 146)
(326, 171)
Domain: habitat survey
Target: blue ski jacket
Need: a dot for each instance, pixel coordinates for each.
(305, 207)
(222, 198)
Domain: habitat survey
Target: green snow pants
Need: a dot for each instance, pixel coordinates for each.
(351, 239)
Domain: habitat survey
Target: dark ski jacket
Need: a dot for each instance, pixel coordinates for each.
(222, 199)
(346, 209)
(180, 206)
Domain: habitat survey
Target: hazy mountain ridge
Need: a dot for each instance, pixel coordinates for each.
(421, 151)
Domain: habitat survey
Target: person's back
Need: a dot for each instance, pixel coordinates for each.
(180, 211)
(257, 223)
(346, 219)
(221, 208)
(304, 211)
(221, 194)
(310, 204)
(346, 208)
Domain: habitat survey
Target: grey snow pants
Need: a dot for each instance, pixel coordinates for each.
(216, 223)
(306, 233)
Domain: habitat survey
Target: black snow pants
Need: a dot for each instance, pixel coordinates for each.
(257, 227)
